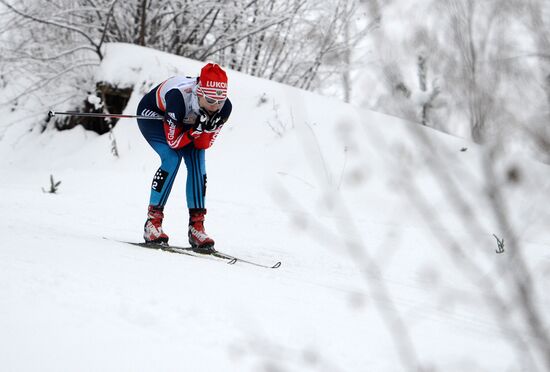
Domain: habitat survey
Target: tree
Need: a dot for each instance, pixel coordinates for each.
(538, 25)
(289, 41)
(487, 59)
(52, 41)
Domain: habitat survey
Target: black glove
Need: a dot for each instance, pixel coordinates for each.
(207, 123)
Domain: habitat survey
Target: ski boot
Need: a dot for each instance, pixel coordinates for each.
(153, 226)
(199, 240)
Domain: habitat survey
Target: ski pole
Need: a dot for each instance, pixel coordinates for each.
(51, 114)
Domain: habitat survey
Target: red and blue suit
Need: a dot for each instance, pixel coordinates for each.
(179, 136)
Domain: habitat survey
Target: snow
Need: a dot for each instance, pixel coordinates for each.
(330, 190)
(95, 101)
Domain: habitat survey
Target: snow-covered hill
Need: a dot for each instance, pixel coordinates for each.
(384, 228)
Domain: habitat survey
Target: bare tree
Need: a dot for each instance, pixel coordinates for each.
(285, 40)
(52, 42)
(488, 61)
(537, 22)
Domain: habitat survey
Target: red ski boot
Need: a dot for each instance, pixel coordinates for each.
(153, 226)
(198, 238)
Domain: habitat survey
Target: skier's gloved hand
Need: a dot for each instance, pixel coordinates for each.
(207, 123)
(202, 121)
(214, 123)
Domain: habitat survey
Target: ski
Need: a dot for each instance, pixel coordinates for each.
(209, 253)
(225, 256)
(188, 251)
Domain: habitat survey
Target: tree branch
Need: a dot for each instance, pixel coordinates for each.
(235, 40)
(51, 23)
(104, 33)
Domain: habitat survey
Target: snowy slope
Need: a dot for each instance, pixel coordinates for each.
(330, 190)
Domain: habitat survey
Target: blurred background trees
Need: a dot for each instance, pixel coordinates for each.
(485, 67)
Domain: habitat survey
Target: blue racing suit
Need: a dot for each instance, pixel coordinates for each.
(175, 138)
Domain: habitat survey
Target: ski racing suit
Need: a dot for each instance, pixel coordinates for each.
(176, 137)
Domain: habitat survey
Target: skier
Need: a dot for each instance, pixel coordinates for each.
(194, 111)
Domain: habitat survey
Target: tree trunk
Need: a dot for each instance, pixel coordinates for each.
(143, 22)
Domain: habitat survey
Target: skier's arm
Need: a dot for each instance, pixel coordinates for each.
(207, 138)
(174, 129)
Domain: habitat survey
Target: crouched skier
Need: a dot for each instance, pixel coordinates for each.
(194, 112)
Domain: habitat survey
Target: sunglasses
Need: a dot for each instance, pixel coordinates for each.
(209, 100)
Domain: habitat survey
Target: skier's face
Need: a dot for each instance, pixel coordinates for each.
(210, 105)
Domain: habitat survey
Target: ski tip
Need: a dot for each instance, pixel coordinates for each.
(277, 265)
(232, 262)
